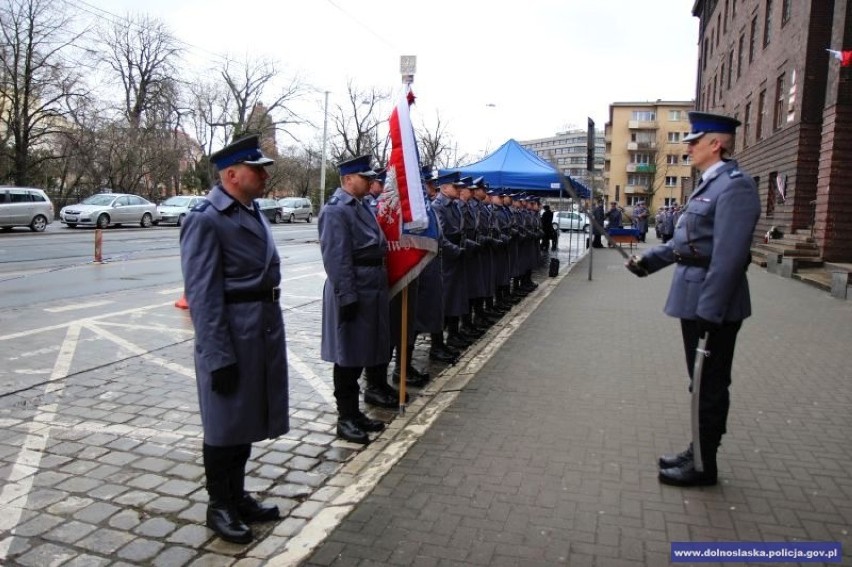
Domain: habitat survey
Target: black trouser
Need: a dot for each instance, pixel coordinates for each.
(346, 390)
(714, 398)
(225, 469)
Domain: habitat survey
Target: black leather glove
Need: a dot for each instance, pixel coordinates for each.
(706, 327)
(348, 312)
(224, 380)
(636, 264)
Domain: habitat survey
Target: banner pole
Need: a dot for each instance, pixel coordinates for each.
(403, 350)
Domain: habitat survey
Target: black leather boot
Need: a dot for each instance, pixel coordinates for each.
(676, 460)
(686, 475)
(251, 511)
(222, 516)
(369, 424)
(349, 430)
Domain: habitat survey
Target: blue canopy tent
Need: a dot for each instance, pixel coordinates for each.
(512, 166)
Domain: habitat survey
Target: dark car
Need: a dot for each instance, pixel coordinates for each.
(271, 210)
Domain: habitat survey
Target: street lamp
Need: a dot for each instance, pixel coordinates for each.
(322, 161)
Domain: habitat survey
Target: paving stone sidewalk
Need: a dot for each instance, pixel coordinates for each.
(547, 455)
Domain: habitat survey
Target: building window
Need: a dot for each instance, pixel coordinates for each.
(674, 137)
(677, 115)
(718, 28)
(767, 23)
(752, 46)
(640, 179)
(640, 158)
(730, 69)
(722, 81)
(761, 114)
(746, 124)
(643, 137)
(672, 159)
(726, 16)
(671, 181)
(740, 51)
(713, 96)
(733, 9)
(705, 54)
(778, 115)
(786, 9)
(644, 115)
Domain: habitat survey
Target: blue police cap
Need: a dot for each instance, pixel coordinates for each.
(381, 175)
(356, 166)
(427, 174)
(480, 183)
(705, 122)
(245, 150)
(466, 182)
(448, 178)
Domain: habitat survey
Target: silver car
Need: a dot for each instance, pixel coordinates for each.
(570, 220)
(110, 209)
(174, 209)
(296, 208)
(24, 206)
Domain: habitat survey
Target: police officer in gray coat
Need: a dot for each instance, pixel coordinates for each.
(709, 291)
(355, 308)
(231, 275)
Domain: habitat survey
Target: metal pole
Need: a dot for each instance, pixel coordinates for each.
(322, 161)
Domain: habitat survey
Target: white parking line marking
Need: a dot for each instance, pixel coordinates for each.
(315, 381)
(14, 494)
(77, 306)
(137, 350)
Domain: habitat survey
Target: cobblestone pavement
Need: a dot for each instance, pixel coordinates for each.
(100, 452)
(547, 455)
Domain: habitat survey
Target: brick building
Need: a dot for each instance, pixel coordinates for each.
(765, 62)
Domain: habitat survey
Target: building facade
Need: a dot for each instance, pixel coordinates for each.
(645, 158)
(567, 151)
(765, 63)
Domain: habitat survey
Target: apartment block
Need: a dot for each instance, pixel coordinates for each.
(567, 151)
(645, 158)
(765, 63)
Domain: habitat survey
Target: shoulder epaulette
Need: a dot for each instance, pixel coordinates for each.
(735, 173)
(333, 200)
(201, 206)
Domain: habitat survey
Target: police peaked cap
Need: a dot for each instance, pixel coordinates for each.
(245, 150)
(705, 122)
(357, 166)
(448, 178)
(466, 182)
(480, 183)
(381, 175)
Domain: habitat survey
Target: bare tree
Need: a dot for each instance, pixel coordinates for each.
(254, 101)
(357, 122)
(39, 82)
(435, 144)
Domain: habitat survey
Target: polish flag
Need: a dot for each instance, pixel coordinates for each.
(845, 57)
(408, 223)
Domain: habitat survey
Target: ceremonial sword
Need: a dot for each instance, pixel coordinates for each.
(701, 353)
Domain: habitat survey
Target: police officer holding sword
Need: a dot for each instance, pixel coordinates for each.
(709, 291)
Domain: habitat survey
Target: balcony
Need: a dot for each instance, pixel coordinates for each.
(635, 190)
(634, 146)
(641, 168)
(642, 124)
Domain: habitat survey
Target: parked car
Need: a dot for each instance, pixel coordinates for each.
(570, 220)
(24, 206)
(174, 209)
(271, 210)
(105, 209)
(296, 208)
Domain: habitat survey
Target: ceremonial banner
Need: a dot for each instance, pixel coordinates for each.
(409, 225)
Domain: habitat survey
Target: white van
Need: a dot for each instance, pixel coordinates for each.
(24, 206)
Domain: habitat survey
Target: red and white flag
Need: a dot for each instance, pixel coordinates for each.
(845, 57)
(405, 219)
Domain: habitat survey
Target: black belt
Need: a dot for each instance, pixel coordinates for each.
(369, 262)
(454, 238)
(695, 261)
(263, 295)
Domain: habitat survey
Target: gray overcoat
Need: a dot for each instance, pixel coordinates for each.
(224, 248)
(350, 238)
(452, 260)
(473, 260)
(430, 293)
(717, 223)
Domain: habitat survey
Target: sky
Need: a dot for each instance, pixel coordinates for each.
(490, 70)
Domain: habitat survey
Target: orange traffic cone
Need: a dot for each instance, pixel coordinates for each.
(181, 303)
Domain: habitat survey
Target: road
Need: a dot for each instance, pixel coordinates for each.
(56, 303)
